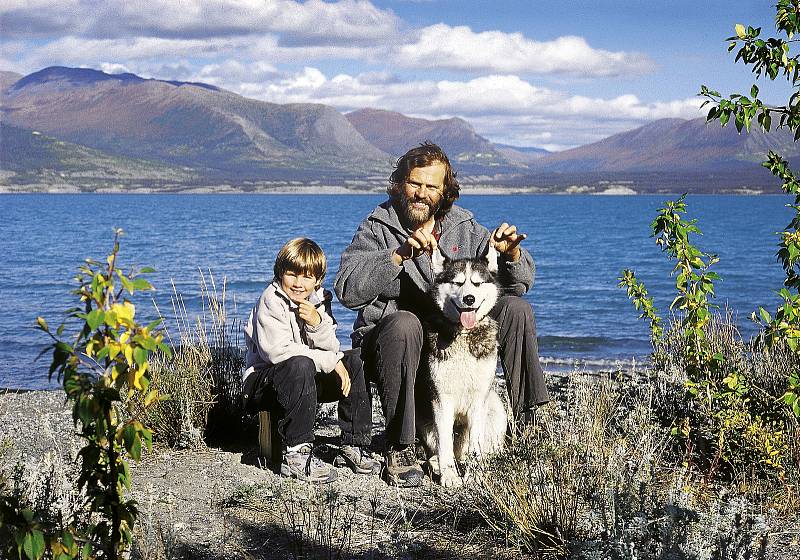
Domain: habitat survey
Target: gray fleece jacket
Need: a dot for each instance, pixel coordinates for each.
(369, 281)
(274, 333)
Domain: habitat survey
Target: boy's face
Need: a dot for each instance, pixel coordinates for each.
(298, 285)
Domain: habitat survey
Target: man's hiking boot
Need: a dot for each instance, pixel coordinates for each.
(303, 465)
(357, 460)
(402, 468)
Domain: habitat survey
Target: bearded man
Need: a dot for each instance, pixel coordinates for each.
(386, 271)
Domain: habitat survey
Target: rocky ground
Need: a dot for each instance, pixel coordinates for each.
(220, 502)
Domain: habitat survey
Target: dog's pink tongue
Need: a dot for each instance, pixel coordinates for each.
(468, 319)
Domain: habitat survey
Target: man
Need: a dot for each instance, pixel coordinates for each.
(385, 272)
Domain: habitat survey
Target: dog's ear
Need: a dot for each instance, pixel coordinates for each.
(491, 259)
(437, 260)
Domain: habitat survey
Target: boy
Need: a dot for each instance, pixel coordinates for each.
(293, 359)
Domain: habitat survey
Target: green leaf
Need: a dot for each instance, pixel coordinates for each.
(95, 318)
(147, 436)
(136, 448)
(147, 270)
(33, 544)
(125, 475)
(128, 436)
(142, 285)
(765, 316)
(140, 355)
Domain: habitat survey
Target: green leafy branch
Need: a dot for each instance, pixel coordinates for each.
(109, 353)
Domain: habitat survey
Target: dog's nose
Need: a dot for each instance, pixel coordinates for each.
(469, 300)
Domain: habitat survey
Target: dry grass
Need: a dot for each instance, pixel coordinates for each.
(598, 475)
(203, 376)
(563, 477)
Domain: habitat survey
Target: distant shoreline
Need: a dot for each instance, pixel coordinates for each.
(339, 190)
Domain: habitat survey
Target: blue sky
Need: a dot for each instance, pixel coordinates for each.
(532, 73)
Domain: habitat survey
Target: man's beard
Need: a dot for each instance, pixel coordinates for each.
(417, 217)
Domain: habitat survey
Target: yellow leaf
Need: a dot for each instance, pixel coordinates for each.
(128, 351)
(125, 311)
(151, 396)
(137, 377)
(740, 31)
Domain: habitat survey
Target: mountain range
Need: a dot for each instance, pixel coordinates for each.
(96, 130)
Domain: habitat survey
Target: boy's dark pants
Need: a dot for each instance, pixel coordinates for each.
(294, 387)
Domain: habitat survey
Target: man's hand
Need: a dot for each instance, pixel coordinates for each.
(341, 371)
(421, 241)
(309, 313)
(506, 240)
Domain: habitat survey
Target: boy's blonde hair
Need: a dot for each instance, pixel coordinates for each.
(301, 255)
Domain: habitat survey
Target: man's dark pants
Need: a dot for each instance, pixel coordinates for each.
(391, 354)
(294, 387)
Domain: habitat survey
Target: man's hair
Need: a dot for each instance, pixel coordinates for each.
(424, 155)
(301, 255)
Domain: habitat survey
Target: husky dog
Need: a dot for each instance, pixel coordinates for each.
(458, 412)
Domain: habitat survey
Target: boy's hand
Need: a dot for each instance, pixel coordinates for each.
(309, 313)
(341, 371)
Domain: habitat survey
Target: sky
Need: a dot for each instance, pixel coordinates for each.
(549, 74)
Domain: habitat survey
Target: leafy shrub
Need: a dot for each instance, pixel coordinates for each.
(730, 424)
(110, 351)
(202, 374)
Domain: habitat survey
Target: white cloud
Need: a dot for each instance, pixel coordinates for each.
(312, 22)
(112, 68)
(505, 108)
(459, 48)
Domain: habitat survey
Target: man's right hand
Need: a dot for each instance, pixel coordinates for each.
(421, 241)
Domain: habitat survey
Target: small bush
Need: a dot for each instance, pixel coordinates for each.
(573, 460)
(203, 376)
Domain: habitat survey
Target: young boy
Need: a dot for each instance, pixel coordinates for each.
(293, 361)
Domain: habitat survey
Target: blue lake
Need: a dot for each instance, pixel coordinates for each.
(580, 245)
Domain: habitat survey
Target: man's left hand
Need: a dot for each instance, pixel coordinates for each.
(506, 240)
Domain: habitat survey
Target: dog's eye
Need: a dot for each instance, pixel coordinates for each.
(459, 284)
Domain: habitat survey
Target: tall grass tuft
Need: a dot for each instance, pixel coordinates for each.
(562, 477)
(203, 377)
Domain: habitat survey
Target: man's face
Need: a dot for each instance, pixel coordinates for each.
(421, 194)
(298, 285)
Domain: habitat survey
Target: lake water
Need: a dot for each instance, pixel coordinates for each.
(580, 245)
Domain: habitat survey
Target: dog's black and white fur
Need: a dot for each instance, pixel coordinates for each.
(458, 411)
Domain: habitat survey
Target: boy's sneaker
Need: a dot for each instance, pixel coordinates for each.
(357, 460)
(303, 465)
(402, 468)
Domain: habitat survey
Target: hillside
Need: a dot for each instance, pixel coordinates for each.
(186, 124)
(31, 158)
(672, 145)
(394, 133)
(98, 130)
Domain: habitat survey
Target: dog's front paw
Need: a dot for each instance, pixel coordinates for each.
(449, 477)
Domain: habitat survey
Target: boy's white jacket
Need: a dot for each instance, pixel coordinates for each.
(273, 332)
